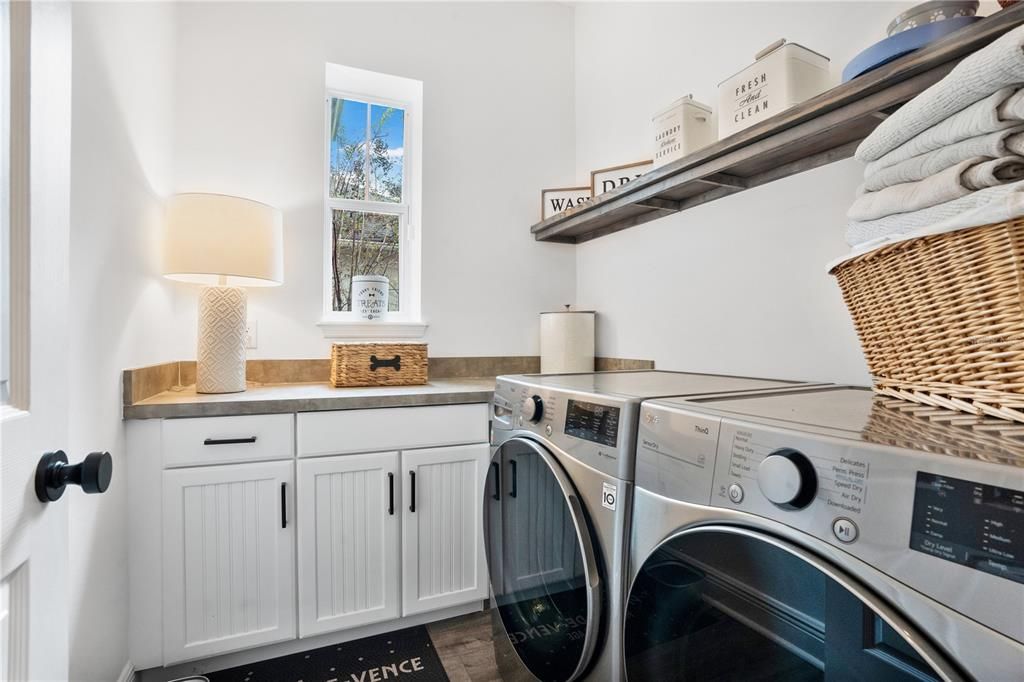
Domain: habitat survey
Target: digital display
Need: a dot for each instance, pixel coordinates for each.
(972, 524)
(593, 422)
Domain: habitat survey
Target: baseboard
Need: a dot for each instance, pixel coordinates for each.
(127, 673)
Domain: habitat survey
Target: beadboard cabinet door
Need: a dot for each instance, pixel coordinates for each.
(348, 510)
(228, 558)
(443, 561)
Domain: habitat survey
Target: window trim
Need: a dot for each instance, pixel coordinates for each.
(407, 322)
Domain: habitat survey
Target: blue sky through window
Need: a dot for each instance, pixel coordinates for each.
(359, 129)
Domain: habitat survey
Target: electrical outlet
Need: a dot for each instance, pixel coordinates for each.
(251, 334)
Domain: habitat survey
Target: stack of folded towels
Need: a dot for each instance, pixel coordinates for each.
(951, 157)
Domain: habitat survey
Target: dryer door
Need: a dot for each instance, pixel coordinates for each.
(543, 570)
(728, 603)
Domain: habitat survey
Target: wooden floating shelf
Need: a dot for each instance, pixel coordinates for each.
(817, 132)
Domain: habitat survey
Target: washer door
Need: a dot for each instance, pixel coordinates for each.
(543, 570)
(727, 603)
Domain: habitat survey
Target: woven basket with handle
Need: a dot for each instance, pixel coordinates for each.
(941, 318)
(378, 364)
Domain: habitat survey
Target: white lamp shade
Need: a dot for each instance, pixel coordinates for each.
(219, 239)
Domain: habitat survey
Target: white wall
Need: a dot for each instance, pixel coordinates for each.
(120, 168)
(498, 100)
(737, 285)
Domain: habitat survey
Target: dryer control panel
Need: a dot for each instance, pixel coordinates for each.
(950, 527)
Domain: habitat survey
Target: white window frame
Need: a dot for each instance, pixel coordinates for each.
(406, 94)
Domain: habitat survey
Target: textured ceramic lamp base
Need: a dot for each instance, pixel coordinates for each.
(220, 366)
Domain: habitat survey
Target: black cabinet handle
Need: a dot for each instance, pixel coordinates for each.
(229, 441)
(391, 493)
(284, 507)
(412, 491)
(515, 478)
(496, 468)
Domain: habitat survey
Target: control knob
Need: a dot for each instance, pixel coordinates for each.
(533, 409)
(787, 479)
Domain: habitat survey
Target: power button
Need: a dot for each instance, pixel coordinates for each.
(736, 493)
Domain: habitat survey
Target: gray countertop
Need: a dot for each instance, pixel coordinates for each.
(276, 398)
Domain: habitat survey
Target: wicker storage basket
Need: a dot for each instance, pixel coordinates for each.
(378, 364)
(941, 318)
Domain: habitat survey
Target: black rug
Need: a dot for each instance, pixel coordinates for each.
(404, 656)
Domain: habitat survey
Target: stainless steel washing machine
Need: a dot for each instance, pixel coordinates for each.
(556, 514)
(824, 534)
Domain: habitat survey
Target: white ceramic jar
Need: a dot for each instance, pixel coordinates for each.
(370, 296)
(681, 129)
(783, 74)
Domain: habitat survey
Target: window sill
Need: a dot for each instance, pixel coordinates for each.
(358, 329)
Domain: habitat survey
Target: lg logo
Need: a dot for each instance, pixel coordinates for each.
(609, 496)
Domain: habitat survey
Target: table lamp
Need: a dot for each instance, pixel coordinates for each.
(225, 243)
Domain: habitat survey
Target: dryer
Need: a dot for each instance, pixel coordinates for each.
(824, 533)
(556, 513)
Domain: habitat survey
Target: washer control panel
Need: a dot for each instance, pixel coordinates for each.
(593, 429)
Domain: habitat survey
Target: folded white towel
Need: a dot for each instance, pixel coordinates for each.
(998, 111)
(993, 172)
(954, 182)
(988, 206)
(993, 145)
(995, 66)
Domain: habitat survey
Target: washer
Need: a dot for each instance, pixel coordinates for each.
(556, 513)
(824, 533)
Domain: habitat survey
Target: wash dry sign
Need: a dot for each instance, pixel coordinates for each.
(607, 179)
(554, 201)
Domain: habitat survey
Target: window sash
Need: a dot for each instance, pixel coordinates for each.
(402, 210)
(370, 102)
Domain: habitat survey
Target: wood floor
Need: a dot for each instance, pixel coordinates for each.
(466, 647)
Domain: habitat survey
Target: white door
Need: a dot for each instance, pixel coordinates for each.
(442, 533)
(35, 141)
(347, 516)
(229, 541)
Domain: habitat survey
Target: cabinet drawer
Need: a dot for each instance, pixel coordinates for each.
(391, 428)
(222, 440)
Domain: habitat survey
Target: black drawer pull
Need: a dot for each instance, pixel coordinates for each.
(284, 506)
(412, 491)
(515, 485)
(229, 441)
(496, 468)
(391, 493)
(395, 362)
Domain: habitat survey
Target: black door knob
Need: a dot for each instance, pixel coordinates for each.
(53, 474)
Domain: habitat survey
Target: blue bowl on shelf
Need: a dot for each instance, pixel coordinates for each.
(902, 43)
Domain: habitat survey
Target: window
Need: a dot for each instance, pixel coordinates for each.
(371, 201)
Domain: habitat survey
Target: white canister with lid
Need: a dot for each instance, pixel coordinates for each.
(783, 74)
(370, 296)
(567, 341)
(681, 129)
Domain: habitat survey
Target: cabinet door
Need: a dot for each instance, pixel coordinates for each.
(348, 510)
(228, 558)
(442, 538)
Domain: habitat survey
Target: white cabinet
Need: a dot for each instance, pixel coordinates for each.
(228, 558)
(348, 511)
(443, 560)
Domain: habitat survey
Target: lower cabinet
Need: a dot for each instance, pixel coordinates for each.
(228, 548)
(348, 510)
(443, 561)
(256, 541)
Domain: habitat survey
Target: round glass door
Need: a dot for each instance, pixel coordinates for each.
(542, 566)
(722, 603)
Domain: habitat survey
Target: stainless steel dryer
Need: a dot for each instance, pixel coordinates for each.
(824, 534)
(556, 514)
